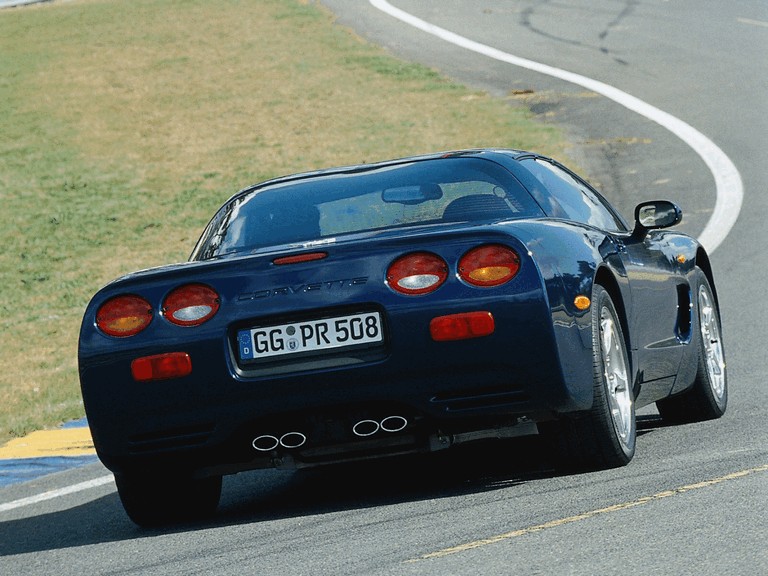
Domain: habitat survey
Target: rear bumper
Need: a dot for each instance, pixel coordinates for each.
(206, 422)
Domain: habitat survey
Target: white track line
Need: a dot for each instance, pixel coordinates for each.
(728, 184)
(51, 494)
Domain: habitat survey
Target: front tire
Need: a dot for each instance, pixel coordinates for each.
(707, 399)
(604, 437)
(152, 502)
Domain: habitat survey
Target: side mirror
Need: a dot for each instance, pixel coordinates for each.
(656, 214)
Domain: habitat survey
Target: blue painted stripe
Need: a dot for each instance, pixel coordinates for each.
(21, 470)
(82, 423)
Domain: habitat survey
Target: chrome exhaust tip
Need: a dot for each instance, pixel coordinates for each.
(393, 423)
(292, 440)
(265, 443)
(365, 428)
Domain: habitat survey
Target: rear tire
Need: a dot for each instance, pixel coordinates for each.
(707, 399)
(604, 437)
(152, 502)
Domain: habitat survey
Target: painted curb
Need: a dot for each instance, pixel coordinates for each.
(45, 452)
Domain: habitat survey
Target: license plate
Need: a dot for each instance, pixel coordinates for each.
(310, 336)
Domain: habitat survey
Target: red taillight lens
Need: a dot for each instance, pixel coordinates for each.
(462, 326)
(161, 367)
(489, 265)
(417, 273)
(124, 316)
(191, 305)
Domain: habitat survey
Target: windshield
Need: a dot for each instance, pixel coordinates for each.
(323, 206)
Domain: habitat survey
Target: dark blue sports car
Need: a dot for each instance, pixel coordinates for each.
(395, 308)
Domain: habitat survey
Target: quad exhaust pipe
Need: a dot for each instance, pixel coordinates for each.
(365, 428)
(361, 429)
(268, 442)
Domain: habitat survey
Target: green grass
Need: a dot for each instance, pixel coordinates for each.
(124, 125)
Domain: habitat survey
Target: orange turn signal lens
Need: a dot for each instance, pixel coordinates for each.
(462, 326)
(124, 316)
(489, 265)
(582, 302)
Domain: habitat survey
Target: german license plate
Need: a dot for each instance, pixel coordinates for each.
(310, 336)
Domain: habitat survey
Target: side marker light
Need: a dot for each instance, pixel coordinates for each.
(582, 302)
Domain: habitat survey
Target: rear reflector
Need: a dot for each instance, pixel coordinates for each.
(462, 326)
(161, 367)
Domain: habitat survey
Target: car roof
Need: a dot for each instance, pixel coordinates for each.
(499, 155)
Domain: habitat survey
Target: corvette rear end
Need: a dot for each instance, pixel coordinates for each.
(380, 345)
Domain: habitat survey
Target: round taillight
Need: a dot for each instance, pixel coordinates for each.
(489, 265)
(417, 273)
(191, 305)
(124, 316)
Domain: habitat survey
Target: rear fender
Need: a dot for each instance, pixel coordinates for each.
(567, 265)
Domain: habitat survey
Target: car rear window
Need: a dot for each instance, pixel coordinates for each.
(412, 194)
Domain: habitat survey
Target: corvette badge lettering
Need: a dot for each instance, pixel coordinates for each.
(303, 288)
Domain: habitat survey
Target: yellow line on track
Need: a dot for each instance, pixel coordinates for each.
(59, 442)
(587, 515)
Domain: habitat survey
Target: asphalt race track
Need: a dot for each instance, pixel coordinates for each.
(695, 498)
